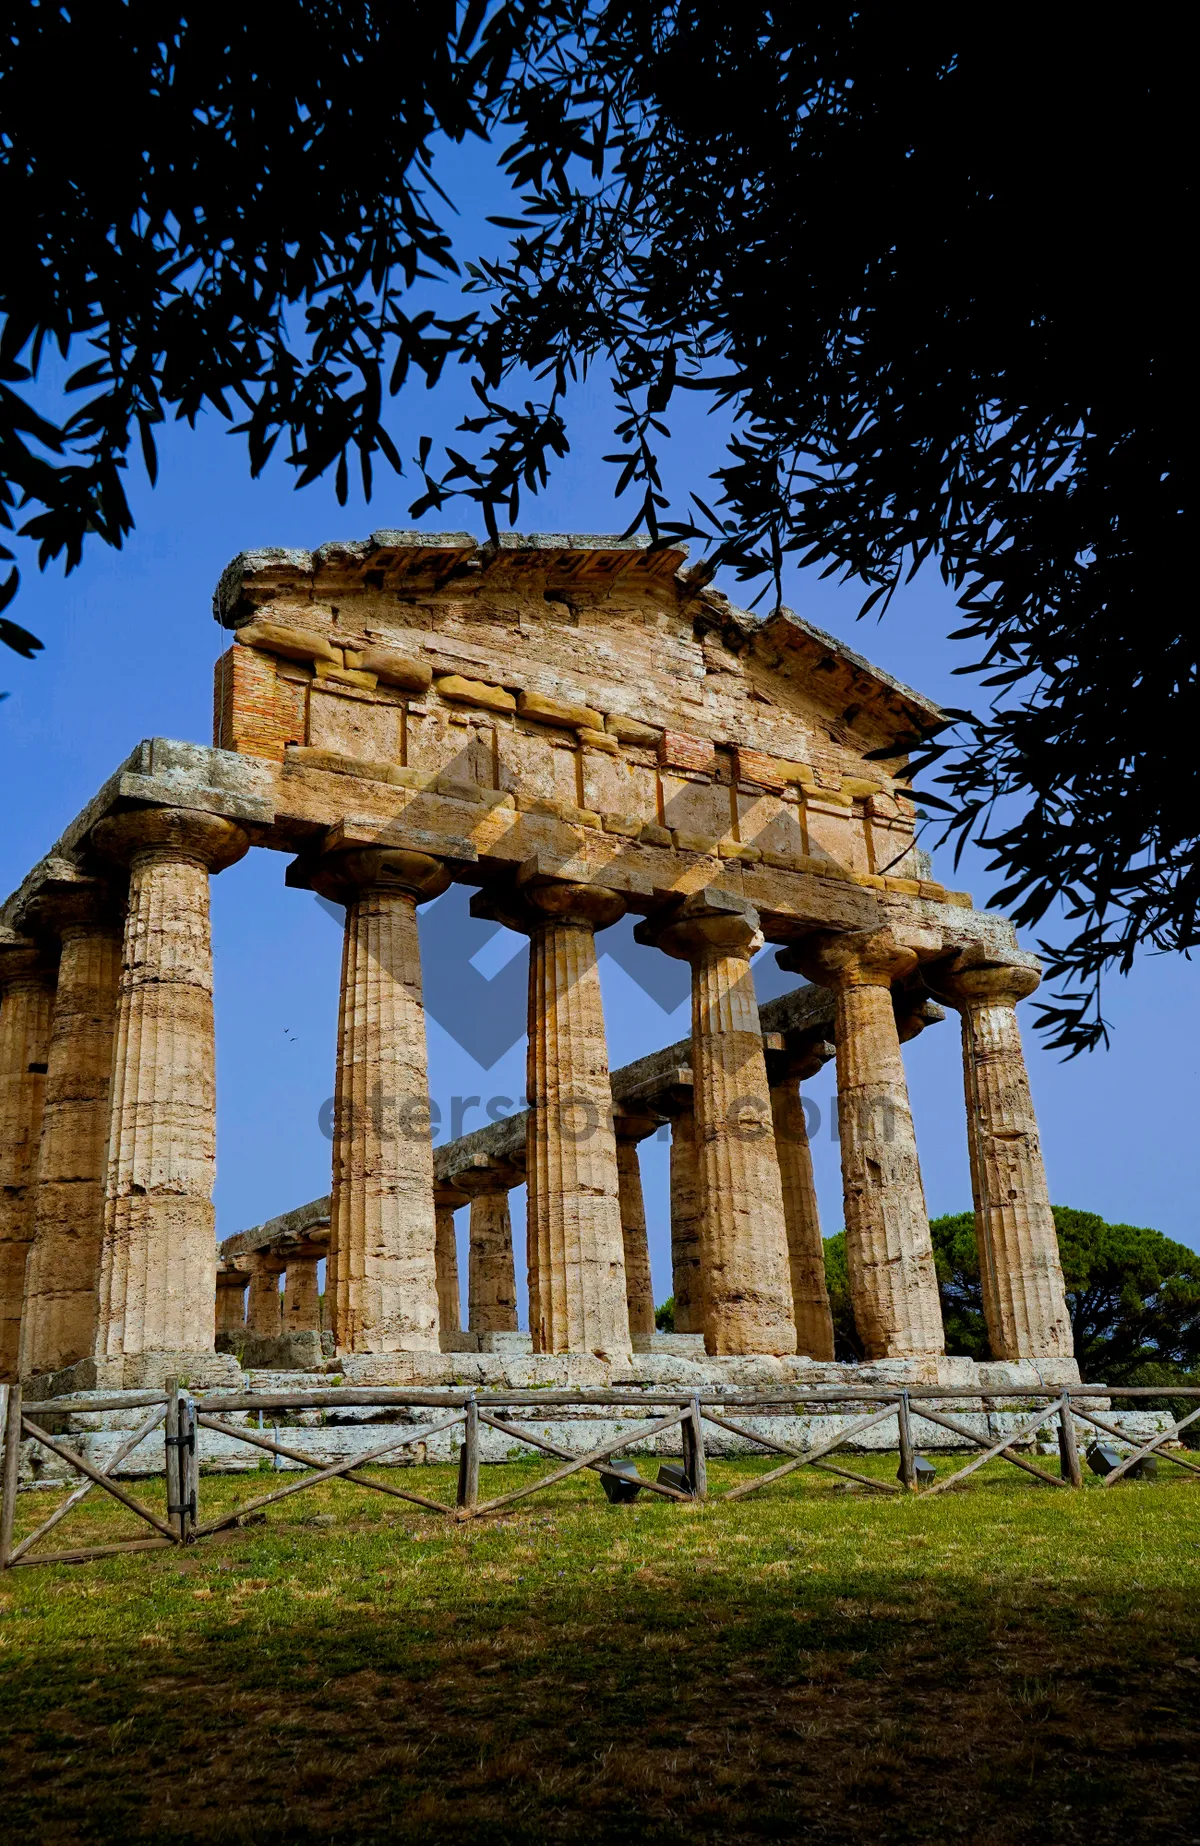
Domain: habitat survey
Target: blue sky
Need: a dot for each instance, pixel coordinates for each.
(130, 646)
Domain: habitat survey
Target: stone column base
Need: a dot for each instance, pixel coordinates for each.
(1034, 1373)
(147, 1371)
(500, 1341)
(965, 1374)
(276, 1352)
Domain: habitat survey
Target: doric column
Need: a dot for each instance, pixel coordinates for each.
(63, 1272)
(491, 1271)
(26, 1005)
(264, 1310)
(687, 1270)
(1021, 1272)
(631, 1127)
(301, 1310)
(445, 1203)
(747, 1284)
(889, 1255)
(231, 1296)
(382, 1232)
(575, 1249)
(158, 1260)
(806, 1252)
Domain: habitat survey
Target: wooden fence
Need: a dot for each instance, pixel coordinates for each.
(181, 1416)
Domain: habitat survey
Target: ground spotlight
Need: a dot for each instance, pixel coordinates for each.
(672, 1474)
(619, 1493)
(1103, 1458)
(924, 1472)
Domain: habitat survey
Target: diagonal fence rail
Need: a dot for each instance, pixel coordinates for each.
(182, 1416)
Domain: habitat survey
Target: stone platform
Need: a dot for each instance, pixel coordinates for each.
(679, 1364)
(506, 1361)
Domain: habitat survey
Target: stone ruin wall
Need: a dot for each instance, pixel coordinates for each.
(580, 728)
(595, 686)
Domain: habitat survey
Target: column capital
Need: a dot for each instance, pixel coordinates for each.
(351, 872)
(797, 1063)
(23, 963)
(636, 1124)
(170, 833)
(265, 1258)
(670, 1095)
(708, 923)
(858, 958)
(914, 1011)
(972, 981)
(486, 1175)
(63, 908)
(539, 901)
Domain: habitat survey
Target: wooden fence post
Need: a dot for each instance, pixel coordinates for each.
(1068, 1448)
(12, 1471)
(468, 1458)
(695, 1464)
(908, 1469)
(189, 1468)
(174, 1460)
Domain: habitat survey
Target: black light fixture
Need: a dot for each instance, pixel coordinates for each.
(1103, 1458)
(924, 1472)
(1145, 1470)
(672, 1474)
(621, 1492)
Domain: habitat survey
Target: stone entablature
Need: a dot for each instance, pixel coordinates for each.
(580, 729)
(587, 681)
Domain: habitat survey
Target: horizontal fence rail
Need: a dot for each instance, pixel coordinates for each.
(182, 1416)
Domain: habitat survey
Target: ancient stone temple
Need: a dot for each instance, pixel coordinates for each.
(577, 728)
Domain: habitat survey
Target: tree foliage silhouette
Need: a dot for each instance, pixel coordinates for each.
(223, 209)
(1133, 1296)
(930, 263)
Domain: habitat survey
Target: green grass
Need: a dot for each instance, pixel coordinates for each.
(999, 1665)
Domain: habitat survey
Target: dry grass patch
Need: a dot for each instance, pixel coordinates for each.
(999, 1666)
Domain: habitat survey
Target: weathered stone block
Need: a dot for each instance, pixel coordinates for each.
(599, 740)
(475, 692)
(631, 730)
(346, 676)
(392, 668)
(281, 1352)
(291, 643)
(559, 711)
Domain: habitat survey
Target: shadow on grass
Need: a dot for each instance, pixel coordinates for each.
(574, 1674)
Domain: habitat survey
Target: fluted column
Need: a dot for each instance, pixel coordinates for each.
(491, 1271)
(158, 1259)
(630, 1128)
(301, 1309)
(231, 1297)
(806, 1252)
(576, 1261)
(687, 1266)
(26, 1006)
(747, 1283)
(264, 1311)
(63, 1271)
(1024, 1301)
(445, 1203)
(382, 1229)
(889, 1254)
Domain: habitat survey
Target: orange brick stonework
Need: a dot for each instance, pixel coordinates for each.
(256, 711)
